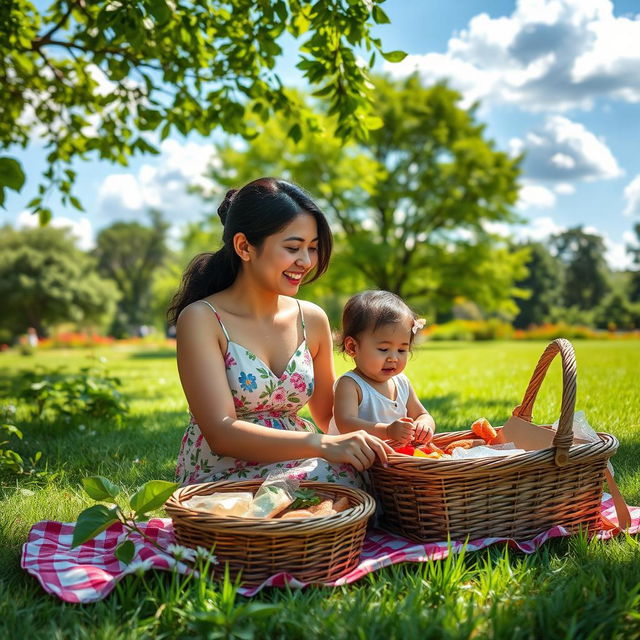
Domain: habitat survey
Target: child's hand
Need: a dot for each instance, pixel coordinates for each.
(423, 430)
(401, 431)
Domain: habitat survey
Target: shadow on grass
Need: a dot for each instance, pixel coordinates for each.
(445, 406)
(153, 355)
(141, 447)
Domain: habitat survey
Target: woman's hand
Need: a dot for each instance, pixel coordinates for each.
(401, 431)
(358, 448)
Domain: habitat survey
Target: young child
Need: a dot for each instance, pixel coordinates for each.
(378, 329)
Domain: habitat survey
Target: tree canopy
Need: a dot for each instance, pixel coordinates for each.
(586, 273)
(545, 285)
(130, 254)
(96, 76)
(411, 203)
(46, 280)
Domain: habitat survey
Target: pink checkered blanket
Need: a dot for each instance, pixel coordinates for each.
(90, 571)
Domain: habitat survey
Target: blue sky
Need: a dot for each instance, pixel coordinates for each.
(557, 79)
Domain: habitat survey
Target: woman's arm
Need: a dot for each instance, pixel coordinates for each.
(200, 343)
(425, 424)
(321, 348)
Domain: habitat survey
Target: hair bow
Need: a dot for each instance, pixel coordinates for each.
(418, 324)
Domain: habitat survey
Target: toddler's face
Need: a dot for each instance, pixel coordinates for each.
(382, 353)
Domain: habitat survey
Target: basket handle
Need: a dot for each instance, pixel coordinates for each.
(564, 436)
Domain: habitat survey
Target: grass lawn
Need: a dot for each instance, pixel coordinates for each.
(570, 588)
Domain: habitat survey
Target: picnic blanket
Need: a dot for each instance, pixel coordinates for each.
(90, 571)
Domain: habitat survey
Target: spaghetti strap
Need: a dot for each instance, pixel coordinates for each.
(304, 331)
(224, 329)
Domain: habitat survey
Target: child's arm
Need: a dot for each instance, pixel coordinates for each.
(424, 422)
(345, 412)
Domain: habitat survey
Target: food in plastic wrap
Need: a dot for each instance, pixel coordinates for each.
(222, 504)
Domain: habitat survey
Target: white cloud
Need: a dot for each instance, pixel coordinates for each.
(548, 54)
(535, 196)
(538, 229)
(632, 196)
(162, 185)
(616, 253)
(564, 189)
(565, 150)
(81, 229)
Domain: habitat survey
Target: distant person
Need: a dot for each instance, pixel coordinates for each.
(32, 337)
(378, 330)
(250, 355)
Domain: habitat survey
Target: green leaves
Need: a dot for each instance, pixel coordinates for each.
(394, 56)
(152, 495)
(93, 521)
(100, 488)
(11, 176)
(196, 64)
(125, 551)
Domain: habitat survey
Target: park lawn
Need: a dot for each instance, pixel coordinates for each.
(570, 588)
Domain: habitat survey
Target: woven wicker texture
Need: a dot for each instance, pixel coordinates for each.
(311, 549)
(517, 496)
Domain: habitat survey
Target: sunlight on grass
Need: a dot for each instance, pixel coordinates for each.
(568, 589)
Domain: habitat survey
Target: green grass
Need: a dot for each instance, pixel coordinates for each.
(570, 588)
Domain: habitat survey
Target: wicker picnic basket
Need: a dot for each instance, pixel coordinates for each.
(516, 496)
(311, 549)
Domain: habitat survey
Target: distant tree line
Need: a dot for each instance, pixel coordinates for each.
(569, 280)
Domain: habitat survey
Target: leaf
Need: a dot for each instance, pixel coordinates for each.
(76, 203)
(159, 10)
(373, 122)
(100, 488)
(295, 133)
(380, 16)
(91, 522)
(44, 215)
(13, 430)
(125, 551)
(152, 495)
(11, 174)
(394, 56)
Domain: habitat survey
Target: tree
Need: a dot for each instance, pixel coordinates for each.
(412, 201)
(46, 280)
(130, 254)
(634, 250)
(587, 275)
(544, 284)
(94, 76)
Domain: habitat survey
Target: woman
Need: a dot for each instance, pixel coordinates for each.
(250, 356)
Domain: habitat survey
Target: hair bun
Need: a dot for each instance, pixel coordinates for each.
(223, 209)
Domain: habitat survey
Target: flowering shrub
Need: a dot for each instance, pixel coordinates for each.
(75, 340)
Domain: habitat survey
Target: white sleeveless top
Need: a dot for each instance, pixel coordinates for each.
(376, 407)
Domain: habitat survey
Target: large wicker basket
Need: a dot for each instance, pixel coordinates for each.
(517, 496)
(311, 549)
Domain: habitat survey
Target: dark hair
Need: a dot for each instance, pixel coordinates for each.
(370, 310)
(260, 209)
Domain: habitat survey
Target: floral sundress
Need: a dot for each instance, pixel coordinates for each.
(263, 398)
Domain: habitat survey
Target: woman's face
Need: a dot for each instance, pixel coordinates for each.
(285, 257)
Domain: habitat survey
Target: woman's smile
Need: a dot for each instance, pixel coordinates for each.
(294, 277)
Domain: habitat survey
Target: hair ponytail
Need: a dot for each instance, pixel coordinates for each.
(260, 209)
(206, 274)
